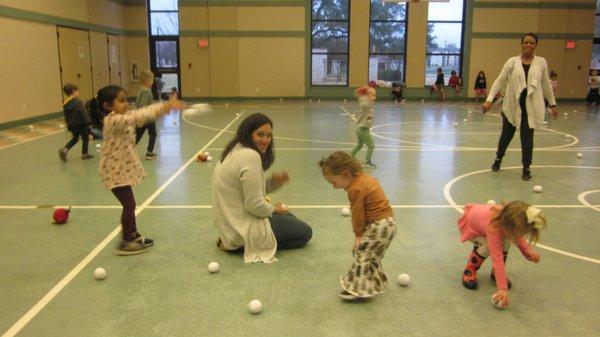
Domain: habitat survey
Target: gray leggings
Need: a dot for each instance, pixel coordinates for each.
(290, 232)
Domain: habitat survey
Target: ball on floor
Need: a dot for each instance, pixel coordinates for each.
(100, 274)
(346, 211)
(255, 306)
(491, 202)
(579, 155)
(537, 189)
(213, 267)
(455, 124)
(208, 158)
(403, 279)
(498, 304)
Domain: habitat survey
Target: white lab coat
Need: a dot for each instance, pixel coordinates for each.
(512, 77)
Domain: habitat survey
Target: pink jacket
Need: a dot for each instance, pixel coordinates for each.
(476, 221)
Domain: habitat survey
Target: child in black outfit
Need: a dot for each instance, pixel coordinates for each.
(77, 119)
(397, 91)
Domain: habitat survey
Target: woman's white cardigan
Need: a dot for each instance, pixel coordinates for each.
(512, 77)
(240, 210)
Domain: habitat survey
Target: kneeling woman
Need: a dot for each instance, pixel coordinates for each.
(244, 217)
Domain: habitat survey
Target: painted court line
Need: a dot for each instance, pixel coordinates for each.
(18, 207)
(348, 113)
(20, 324)
(31, 139)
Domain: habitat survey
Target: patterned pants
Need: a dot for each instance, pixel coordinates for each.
(366, 277)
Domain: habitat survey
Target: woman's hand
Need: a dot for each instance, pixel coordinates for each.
(356, 243)
(280, 178)
(554, 112)
(533, 256)
(280, 208)
(501, 298)
(486, 106)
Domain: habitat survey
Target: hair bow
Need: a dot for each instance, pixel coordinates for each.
(533, 216)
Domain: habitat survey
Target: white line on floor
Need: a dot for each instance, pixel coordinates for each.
(31, 139)
(79, 267)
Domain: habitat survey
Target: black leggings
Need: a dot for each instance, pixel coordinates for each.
(79, 131)
(125, 196)
(290, 232)
(508, 131)
(139, 132)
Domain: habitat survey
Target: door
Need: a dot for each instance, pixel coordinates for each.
(75, 61)
(99, 52)
(114, 64)
(164, 58)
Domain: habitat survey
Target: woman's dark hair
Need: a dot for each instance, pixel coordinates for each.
(533, 35)
(105, 95)
(244, 137)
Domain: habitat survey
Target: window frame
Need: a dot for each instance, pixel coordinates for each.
(462, 43)
(347, 53)
(403, 79)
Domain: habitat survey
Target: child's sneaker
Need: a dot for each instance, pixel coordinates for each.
(151, 155)
(369, 165)
(135, 246)
(86, 156)
(347, 296)
(62, 153)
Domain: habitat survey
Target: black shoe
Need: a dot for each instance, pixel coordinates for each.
(496, 165)
(468, 281)
(508, 283)
(62, 153)
(526, 174)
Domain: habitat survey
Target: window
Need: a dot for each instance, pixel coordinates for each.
(444, 39)
(329, 44)
(387, 44)
(596, 46)
(163, 18)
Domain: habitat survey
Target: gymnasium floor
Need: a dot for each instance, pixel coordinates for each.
(428, 168)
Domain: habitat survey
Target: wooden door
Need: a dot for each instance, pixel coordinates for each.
(99, 52)
(75, 61)
(114, 64)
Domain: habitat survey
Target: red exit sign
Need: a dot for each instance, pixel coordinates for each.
(570, 44)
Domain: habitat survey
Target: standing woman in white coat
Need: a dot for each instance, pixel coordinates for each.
(526, 80)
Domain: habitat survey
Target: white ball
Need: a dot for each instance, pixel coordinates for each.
(206, 153)
(574, 110)
(209, 158)
(465, 120)
(455, 124)
(255, 306)
(579, 155)
(498, 304)
(346, 211)
(537, 189)
(491, 202)
(566, 114)
(213, 267)
(100, 273)
(567, 136)
(98, 145)
(201, 109)
(469, 112)
(545, 122)
(61, 126)
(403, 279)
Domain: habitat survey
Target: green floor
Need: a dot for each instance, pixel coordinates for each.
(426, 165)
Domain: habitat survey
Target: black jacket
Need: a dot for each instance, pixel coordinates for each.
(75, 113)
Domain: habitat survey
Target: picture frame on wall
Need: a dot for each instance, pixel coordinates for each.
(134, 71)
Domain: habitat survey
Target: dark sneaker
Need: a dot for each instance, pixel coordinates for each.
(496, 165)
(62, 153)
(526, 174)
(508, 283)
(347, 296)
(136, 246)
(151, 155)
(86, 156)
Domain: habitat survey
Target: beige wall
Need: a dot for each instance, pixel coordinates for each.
(358, 56)
(415, 45)
(243, 66)
(133, 49)
(30, 71)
